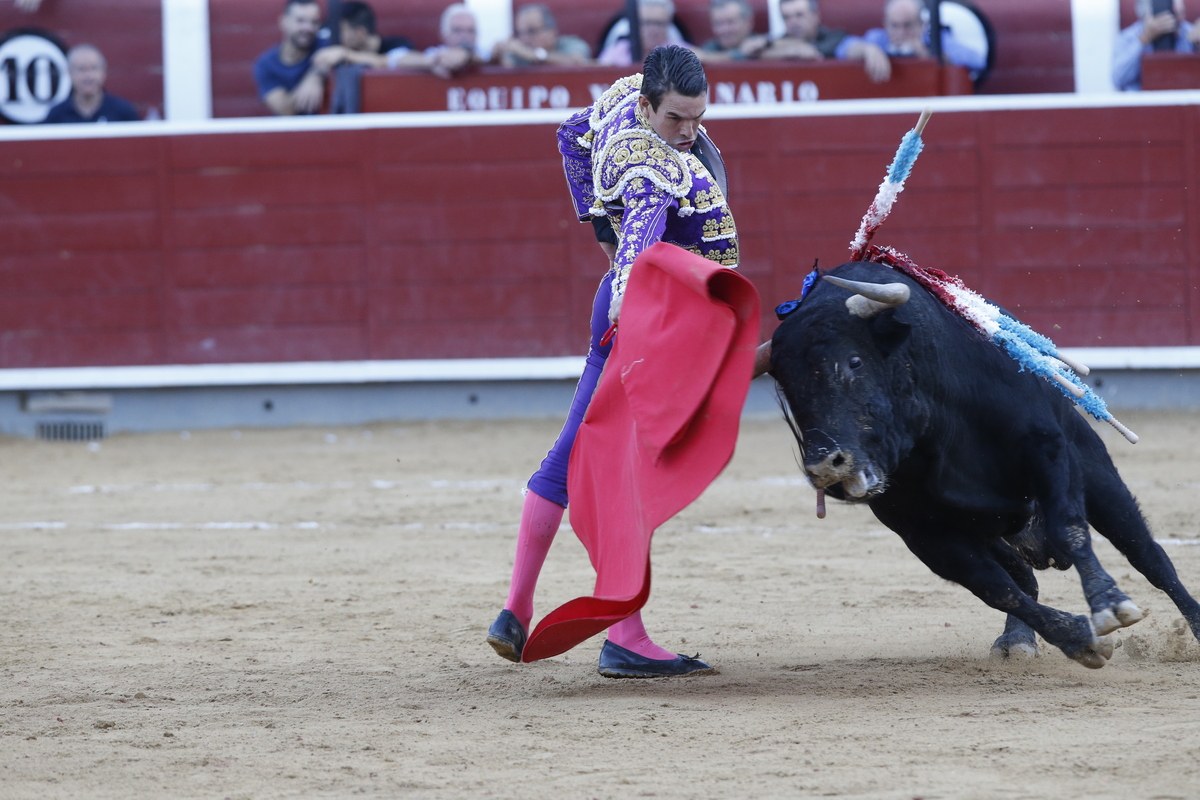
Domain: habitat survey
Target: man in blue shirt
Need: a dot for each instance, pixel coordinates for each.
(288, 80)
(88, 101)
(905, 33)
(1139, 38)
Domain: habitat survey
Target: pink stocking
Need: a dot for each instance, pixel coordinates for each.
(540, 519)
(631, 634)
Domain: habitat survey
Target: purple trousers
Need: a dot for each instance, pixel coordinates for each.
(550, 481)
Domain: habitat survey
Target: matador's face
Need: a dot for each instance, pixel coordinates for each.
(677, 118)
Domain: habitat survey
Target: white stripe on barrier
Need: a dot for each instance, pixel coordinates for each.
(315, 373)
(299, 373)
(1136, 357)
(459, 119)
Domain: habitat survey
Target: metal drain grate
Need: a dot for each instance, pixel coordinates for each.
(70, 431)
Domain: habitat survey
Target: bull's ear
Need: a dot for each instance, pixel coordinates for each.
(889, 331)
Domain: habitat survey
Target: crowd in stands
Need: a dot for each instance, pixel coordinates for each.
(293, 76)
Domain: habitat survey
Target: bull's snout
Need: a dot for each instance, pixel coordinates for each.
(828, 467)
(825, 468)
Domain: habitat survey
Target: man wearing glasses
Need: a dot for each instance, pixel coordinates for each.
(906, 33)
(539, 42)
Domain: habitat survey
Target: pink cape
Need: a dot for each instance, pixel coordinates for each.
(660, 428)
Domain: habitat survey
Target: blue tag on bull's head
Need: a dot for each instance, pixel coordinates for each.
(783, 309)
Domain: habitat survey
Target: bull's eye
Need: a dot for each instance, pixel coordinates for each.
(855, 362)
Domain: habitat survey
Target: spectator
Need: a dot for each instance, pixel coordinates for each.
(905, 33)
(360, 47)
(458, 50)
(88, 101)
(654, 25)
(459, 29)
(360, 42)
(358, 32)
(288, 80)
(807, 38)
(539, 42)
(1177, 34)
(733, 33)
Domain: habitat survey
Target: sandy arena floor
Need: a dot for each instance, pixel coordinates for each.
(301, 613)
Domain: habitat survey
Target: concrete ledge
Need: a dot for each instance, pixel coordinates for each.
(143, 410)
(196, 397)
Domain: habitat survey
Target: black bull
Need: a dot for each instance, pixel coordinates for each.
(983, 470)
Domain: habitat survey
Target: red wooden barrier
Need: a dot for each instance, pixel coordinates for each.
(1170, 71)
(459, 241)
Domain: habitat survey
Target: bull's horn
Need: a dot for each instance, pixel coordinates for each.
(871, 298)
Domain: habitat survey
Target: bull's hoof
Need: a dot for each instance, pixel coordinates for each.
(1017, 645)
(1121, 615)
(1090, 658)
(1096, 653)
(1017, 651)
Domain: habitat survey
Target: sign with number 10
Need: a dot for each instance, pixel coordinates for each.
(33, 75)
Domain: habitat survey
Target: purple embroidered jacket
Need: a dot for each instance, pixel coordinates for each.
(616, 165)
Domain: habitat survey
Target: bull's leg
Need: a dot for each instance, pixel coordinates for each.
(1115, 515)
(1018, 640)
(970, 564)
(1059, 485)
(1111, 608)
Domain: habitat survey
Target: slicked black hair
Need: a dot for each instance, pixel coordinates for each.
(358, 15)
(672, 68)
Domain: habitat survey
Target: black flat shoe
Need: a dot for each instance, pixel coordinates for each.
(618, 662)
(506, 636)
